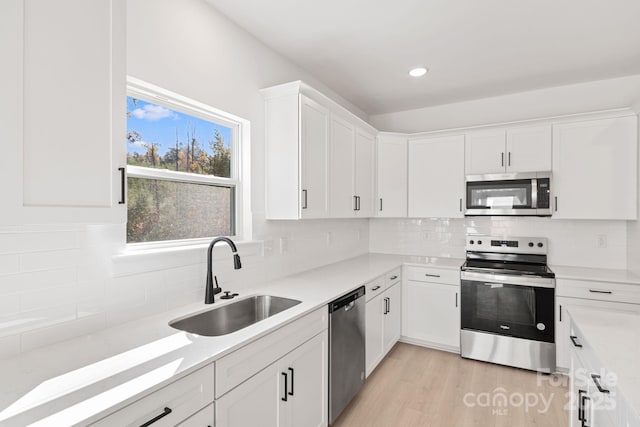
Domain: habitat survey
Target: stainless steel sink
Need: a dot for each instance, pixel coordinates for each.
(233, 316)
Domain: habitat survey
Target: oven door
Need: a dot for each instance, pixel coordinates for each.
(516, 306)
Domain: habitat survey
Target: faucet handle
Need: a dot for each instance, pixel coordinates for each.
(228, 295)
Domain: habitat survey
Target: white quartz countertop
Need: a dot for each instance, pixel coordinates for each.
(84, 379)
(595, 274)
(615, 340)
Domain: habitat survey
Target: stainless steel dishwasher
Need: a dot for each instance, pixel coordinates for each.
(346, 350)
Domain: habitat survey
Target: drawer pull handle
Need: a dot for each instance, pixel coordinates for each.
(375, 288)
(596, 291)
(164, 413)
(432, 275)
(292, 373)
(286, 386)
(574, 340)
(596, 381)
(393, 277)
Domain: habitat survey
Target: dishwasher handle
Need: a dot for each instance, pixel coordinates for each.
(347, 301)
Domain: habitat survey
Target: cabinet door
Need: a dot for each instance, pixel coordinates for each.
(529, 149)
(254, 402)
(485, 152)
(563, 323)
(374, 330)
(11, 52)
(392, 317)
(314, 144)
(436, 177)
(578, 388)
(392, 176)
(432, 313)
(342, 176)
(595, 169)
(74, 111)
(364, 165)
(307, 375)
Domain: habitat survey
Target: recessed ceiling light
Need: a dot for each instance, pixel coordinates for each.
(418, 71)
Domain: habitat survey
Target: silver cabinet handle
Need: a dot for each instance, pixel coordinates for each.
(460, 204)
(380, 204)
(355, 203)
(375, 288)
(502, 159)
(456, 299)
(509, 159)
(304, 199)
(555, 199)
(393, 277)
(432, 275)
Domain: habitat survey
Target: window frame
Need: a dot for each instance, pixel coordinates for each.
(237, 181)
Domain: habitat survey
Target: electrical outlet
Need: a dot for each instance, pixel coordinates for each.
(601, 240)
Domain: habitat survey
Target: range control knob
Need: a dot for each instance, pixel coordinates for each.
(471, 242)
(530, 244)
(479, 242)
(540, 244)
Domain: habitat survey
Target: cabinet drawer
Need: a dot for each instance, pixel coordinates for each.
(375, 287)
(394, 276)
(434, 275)
(204, 418)
(234, 368)
(178, 400)
(601, 291)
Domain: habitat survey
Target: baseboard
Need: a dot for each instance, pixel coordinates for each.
(429, 344)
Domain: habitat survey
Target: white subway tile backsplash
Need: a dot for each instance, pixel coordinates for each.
(48, 260)
(61, 332)
(9, 263)
(9, 346)
(570, 242)
(37, 241)
(47, 297)
(36, 319)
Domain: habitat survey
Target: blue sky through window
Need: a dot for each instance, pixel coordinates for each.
(158, 125)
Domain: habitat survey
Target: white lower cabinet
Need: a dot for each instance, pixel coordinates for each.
(591, 294)
(171, 405)
(291, 392)
(594, 398)
(431, 314)
(383, 318)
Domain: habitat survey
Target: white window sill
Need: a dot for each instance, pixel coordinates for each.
(140, 259)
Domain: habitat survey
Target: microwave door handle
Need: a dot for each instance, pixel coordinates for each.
(534, 193)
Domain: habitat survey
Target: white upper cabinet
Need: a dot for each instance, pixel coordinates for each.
(364, 173)
(74, 111)
(314, 133)
(391, 176)
(485, 152)
(351, 170)
(529, 149)
(595, 169)
(342, 175)
(296, 155)
(436, 177)
(511, 150)
(318, 155)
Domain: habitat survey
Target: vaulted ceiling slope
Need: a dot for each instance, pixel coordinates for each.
(473, 48)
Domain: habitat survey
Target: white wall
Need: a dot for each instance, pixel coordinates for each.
(571, 99)
(58, 282)
(570, 242)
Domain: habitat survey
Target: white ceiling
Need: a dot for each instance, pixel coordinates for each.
(474, 48)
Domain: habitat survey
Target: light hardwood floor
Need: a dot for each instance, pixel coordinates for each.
(416, 386)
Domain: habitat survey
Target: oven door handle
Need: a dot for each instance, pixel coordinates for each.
(505, 279)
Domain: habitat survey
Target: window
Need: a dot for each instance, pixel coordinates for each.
(182, 167)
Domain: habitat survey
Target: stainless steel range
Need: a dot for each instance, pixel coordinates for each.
(507, 303)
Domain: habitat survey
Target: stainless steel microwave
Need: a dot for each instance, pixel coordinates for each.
(521, 194)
